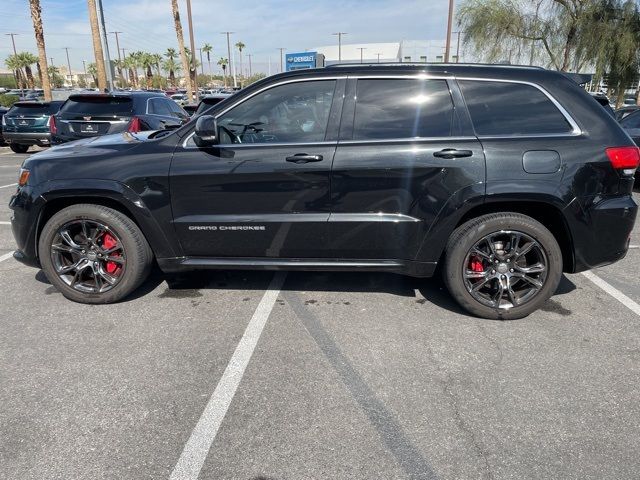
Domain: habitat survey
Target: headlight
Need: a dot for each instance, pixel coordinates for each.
(24, 176)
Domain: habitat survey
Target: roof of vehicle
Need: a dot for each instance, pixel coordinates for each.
(471, 70)
(136, 94)
(41, 104)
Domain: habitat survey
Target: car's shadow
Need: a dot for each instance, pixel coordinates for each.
(421, 290)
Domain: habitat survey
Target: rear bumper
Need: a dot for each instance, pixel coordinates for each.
(603, 235)
(28, 138)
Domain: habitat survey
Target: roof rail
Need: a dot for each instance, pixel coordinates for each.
(428, 64)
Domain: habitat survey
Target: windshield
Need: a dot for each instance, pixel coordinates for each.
(99, 105)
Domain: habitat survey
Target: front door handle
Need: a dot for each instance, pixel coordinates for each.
(450, 153)
(304, 158)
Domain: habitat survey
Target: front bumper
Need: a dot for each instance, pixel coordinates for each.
(28, 138)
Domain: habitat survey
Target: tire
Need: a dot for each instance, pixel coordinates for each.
(18, 147)
(464, 271)
(130, 254)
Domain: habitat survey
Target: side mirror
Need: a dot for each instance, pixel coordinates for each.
(206, 132)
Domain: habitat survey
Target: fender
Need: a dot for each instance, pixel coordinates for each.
(155, 224)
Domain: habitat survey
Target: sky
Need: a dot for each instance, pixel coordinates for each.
(262, 25)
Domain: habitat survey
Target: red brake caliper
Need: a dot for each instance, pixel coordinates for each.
(109, 242)
(475, 264)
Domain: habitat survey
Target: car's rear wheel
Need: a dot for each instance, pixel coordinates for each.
(18, 147)
(502, 265)
(94, 254)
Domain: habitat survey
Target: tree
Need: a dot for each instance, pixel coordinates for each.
(501, 29)
(223, 62)
(97, 46)
(92, 69)
(25, 60)
(613, 42)
(171, 66)
(206, 48)
(240, 46)
(13, 63)
(131, 64)
(36, 17)
(57, 80)
(183, 54)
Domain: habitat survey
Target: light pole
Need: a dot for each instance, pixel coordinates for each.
(193, 53)
(339, 34)
(84, 68)
(69, 66)
(250, 72)
(232, 69)
(378, 54)
(362, 49)
(119, 57)
(15, 56)
(281, 59)
(449, 22)
(458, 46)
(103, 34)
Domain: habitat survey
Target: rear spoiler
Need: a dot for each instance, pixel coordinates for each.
(580, 78)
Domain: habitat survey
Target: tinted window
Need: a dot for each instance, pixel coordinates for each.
(295, 112)
(399, 108)
(500, 108)
(35, 109)
(158, 106)
(99, 105)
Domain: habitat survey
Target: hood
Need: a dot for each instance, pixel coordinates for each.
(93, 146)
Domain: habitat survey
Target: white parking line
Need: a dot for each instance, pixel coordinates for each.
(197, 447)
(614, 292)
(6, 256)
(10, 185)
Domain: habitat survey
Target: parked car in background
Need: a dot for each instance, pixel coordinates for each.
(27, 124)
(209, 101)
(180, 98)
(90, 115)
(500, 177)
(3, 110)
(622, 112)
(190, 108)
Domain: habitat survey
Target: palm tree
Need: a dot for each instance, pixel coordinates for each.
(223, 62)
(131, 64)
(36, 17)
(240, 46)
(157, 59)
(148, 61)
(206, 48)
(171, 53)
(13, 63)
(171, 66)
(27, 59)
(92, 69)
(183, 54)
(97, 46)
(56, 79)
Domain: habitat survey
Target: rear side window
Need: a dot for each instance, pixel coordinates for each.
(402, 108)
(99, 105)
(158, 106)
(501, 108)
(36, 109)
(632, 120)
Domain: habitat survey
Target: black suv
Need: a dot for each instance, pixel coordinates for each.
(501, 177)
(27, 124)
(94, 114)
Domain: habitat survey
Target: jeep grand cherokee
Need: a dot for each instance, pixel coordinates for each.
(501, 177)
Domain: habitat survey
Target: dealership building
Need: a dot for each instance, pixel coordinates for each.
(404, 51)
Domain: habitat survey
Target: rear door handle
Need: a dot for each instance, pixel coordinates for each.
(304, 158)
(453, 153)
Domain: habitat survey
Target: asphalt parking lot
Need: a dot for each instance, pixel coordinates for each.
(314, 375)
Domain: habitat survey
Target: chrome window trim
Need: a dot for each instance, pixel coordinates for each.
(409, 140)
(256, 145)
(575, 128)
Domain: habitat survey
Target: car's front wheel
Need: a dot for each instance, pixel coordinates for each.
(502, 265)
(18, 147)
(94, 254)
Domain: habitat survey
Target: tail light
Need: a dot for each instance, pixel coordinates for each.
(24, 176)
(135, 125)
(51, 123)
(626, 159)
